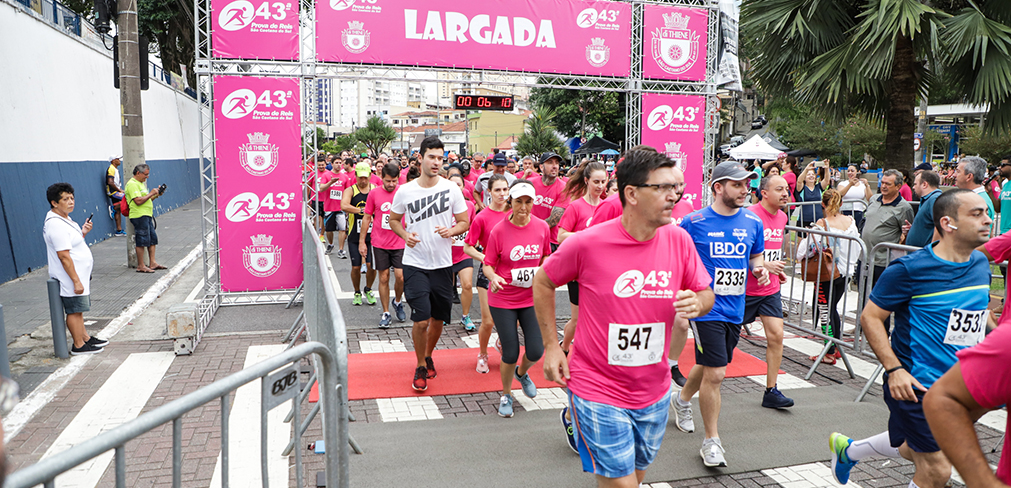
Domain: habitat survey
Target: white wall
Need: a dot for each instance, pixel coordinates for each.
(57, 101)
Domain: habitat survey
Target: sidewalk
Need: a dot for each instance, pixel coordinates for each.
(114, 286)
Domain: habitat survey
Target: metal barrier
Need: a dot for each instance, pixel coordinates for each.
(792, 207)
(334, 431)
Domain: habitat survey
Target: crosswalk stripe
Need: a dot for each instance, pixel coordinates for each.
(119, 400)
(244, 432)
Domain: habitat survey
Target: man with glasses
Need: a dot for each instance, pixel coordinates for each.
(730, 242)
(141, 203)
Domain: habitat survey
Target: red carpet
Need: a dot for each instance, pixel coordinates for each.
(388, 375)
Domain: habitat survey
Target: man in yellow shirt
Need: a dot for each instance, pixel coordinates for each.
(115, 192)
(142, 216)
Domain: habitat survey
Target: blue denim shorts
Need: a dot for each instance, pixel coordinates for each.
(143, 231)
(614, 442)
(76, 304)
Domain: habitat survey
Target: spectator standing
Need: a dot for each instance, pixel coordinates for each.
(811, 190)
(970, 175)
(855, 188)
(886, 217)
(141, 201)
(905, 190)
(790, 173)
(114, 189)
(70, 262)
(925, 186)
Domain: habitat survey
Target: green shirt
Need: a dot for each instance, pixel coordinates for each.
(755, 183)
(1005, 207)
(135, 189)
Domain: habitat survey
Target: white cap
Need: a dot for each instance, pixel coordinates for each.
(111, 158)
(522, 189)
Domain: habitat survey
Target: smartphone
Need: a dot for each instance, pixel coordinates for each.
(89, 218)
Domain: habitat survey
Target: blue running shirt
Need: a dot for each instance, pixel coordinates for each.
(940, 308)
(725, 245)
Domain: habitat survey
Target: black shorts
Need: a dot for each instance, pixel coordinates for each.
(907, 423)
(429, 292)
(715, 342)
(356, 257)
(335, 221)
(383, 259)
(573, 292)
(762, 306)
(482, 280)
(462, 265)
(320, 212)
(143, 231)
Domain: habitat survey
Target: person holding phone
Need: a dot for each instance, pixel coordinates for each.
(70, 262)
(855, 188)
(142, 216)
(815, 179)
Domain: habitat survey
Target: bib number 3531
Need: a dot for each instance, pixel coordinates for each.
(635, 345)
(729, 281)
(965, 327)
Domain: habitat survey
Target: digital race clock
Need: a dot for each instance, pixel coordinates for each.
(482, 102)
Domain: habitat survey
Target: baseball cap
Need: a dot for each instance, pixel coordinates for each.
(923, 167)
(521, 190)
(112, 158)
(500, 159)
(362, 169)
(731, 170)
(548, 155)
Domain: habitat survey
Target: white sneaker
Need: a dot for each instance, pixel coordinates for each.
(682, 414)
(482, 363)
(712, 453)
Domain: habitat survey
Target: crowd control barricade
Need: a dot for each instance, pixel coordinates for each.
(803, 313)
(793, 209)
(275, 375)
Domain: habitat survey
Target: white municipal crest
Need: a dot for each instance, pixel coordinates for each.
(261, 258)
(258, 157)
(675, 48)
(673, 151)
(355, 38)
(597, 53)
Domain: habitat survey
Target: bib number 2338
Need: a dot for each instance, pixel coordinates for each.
(729, 281)
(965, 327)
(635, 345)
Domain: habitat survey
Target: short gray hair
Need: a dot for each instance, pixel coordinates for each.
(140, 168)
(893, 172)
(976, 166)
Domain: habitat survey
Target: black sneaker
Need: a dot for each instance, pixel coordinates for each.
(774, 399)
(420, 379)
(85, 349)
(677, 377)
(94, 341)
(329, 249)
(456, 297)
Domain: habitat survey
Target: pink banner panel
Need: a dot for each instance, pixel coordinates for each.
(674, 39)
(551, 36)
(675, 126)
(259, 182)
(251, 29)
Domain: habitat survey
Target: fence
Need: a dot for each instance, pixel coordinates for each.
(45, 472)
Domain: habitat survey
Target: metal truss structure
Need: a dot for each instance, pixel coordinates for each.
(309, 70)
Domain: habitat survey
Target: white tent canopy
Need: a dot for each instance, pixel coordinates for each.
(754, 148)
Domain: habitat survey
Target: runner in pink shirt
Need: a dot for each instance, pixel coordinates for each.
(516, 248)
(619, 386)
(765, 301)
(377, 172)
(551, 199)
(387, 246)
(463, 266)
(331, 184)
(477, 236)
(998, 250)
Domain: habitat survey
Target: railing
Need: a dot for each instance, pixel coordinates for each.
(45, 471)
(55, 13)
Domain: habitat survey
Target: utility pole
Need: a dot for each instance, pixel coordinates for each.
(131, 116)
(921, 127)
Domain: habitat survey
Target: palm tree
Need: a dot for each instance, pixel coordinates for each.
(874, 57)
(539, 135)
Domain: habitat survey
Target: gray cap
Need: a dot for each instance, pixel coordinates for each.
(731, 170)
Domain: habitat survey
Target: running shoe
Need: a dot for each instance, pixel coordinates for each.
(468, 324)
(841, 464)
(482, 363)
(329, 249)
(342, 254)
(456, 296)
(398, 308)
(682, 414)
(529, 388)
(570, 433)
(357, 300)
(94, 341)
(370, 297)
(420, 380)
(322, 238)
(120, 233)
(384, 321)
(85, 349)
(112, 212)
(430, 367)
(774, 399)
(678, 378)
(505, 406)
(712, 453)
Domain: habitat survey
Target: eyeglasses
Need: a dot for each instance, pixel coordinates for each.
(662, 187)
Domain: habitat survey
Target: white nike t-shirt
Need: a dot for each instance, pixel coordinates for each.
(424, 209)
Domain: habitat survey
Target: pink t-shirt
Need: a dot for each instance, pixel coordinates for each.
(906, 192)
(609, 209)
(458, 241)
(378, 204)
(403, 175)
(679, 211)
(773, 225)
(1000, 249)
(482, 224)
(629, 301)
(376, 180)
(472, 177)
(988, 379)
(548, 197)
(578, 216)
(516, 253)
(791, 181)
(332, 196)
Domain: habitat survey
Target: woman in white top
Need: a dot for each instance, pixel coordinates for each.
(845, 253)
(855, 188)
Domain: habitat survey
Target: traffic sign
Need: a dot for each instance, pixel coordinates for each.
(916, 144)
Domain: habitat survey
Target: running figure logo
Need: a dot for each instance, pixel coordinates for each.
(660, 117)
(675, 48)
(242, 207)
(341, 4)
(236, 15)
(586, 18)
(238, 104)
(629, 283)
(261, 258)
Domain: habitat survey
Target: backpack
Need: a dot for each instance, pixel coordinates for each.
(124, 207)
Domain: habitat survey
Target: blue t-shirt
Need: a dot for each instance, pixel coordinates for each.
(940, 308)
(725, 245)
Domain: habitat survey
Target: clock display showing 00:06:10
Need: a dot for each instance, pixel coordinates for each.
(483, 102)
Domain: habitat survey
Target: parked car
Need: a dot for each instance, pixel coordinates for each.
(763, 119)
(736, 141)
(756, 124)
(725, 149)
